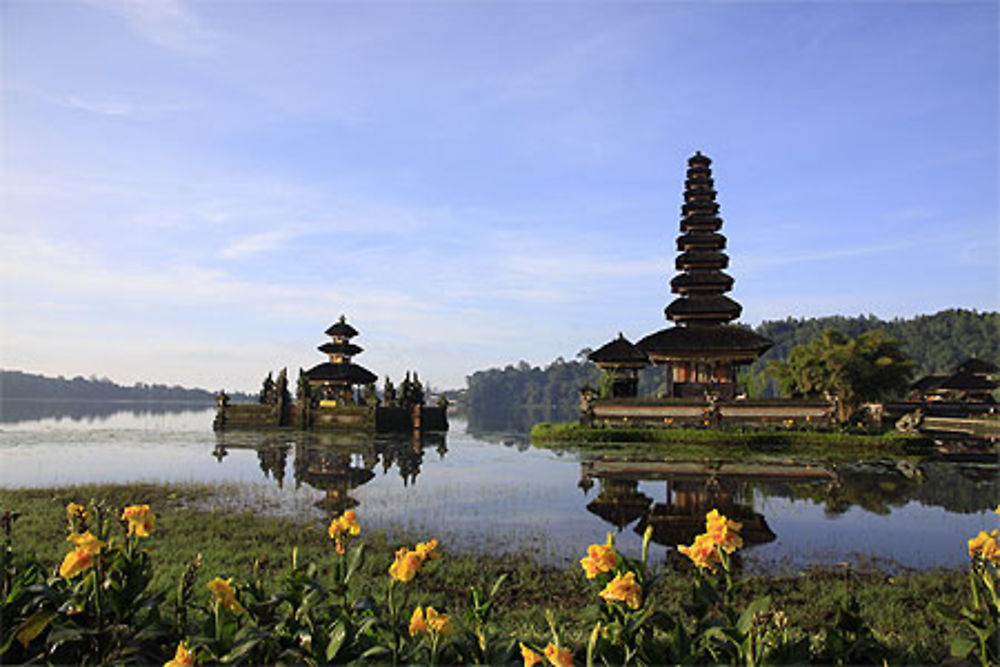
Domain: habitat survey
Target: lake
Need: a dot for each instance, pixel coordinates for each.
(495, 492)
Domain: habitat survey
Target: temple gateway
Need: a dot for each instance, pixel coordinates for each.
(703, 351)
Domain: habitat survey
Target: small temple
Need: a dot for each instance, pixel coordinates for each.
(702, 352)
(337, 394)
(333, 382)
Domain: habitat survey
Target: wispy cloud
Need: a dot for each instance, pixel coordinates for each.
(115, 107)
(254, 244)
(167, 23)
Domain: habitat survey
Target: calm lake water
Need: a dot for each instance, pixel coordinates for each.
(497, 492)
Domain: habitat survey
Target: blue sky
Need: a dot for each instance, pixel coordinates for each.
(192, 192)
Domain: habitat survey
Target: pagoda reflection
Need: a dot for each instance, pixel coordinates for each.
(691, 491)
(335, 466)
(335, 463)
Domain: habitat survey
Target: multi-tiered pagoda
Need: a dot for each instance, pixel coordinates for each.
(334, 381)
(703, 350)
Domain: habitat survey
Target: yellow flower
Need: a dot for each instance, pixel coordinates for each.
(406, 565)
(984, 547)
(140, 520)
(417, 623)
(560, 657)
(429, 622)
(345, 524)
(623, 588)
(225, 595)
(76, 513)
(530, 657)
(600, 558)
(998, 509)
(724, 532)
(85, 542)
(75, 562)
(183, 658)
(703, 552)
(426, 550)
(437, 623)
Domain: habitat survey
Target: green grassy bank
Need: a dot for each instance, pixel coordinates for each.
(749, 443)
(895, 607)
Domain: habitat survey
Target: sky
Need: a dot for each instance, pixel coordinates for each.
(192, 192)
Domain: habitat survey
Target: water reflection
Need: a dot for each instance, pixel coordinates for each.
(334, 463)
(15, 411)
(743, 491)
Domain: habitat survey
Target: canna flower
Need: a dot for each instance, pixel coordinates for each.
(426, 550)
(530, 657)
(140, 520)
(85, 542)
(183, 658)
(703, 552)
(600, 558)
(225, 596)
(559, 657)
(76, 514)
(87, 546)
(437, 623)
(430, 622)
(345, 524)
(75, 562)
(998, 509)
(623, 588)
(984, 547)
(417, 623)
(406, 565)
(724, 532)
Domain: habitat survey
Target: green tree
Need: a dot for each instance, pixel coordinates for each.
(848, 370)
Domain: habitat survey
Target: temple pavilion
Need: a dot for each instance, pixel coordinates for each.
(703, 350)
(334, 381)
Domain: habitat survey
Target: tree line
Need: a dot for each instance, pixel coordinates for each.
(20, 385)
(517, 396)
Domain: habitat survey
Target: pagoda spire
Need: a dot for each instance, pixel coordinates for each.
(701, 283)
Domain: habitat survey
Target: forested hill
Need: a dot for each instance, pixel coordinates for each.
(517, 396)
(937, 343)
(18, 385)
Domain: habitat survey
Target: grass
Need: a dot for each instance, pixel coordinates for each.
(747, 444)
(231, 541)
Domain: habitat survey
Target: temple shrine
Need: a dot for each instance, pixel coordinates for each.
(703, 351)
(337, 394)
(333, 382)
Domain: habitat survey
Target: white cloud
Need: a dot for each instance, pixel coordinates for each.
(167, 23)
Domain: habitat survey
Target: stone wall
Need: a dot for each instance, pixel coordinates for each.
(701, 413)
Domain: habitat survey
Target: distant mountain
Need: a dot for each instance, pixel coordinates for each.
(18, 385)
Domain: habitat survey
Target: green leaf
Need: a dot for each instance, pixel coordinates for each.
(758, 606)
(33, 626)
(595, 635)
(949, 613)
(373, 653)
(496, 585)
(356, 561)
(241, 650)
(337, 636)
(960, 647)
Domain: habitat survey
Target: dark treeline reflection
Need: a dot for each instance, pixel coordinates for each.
(694, 487)
(334, 463)
(14, 410)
